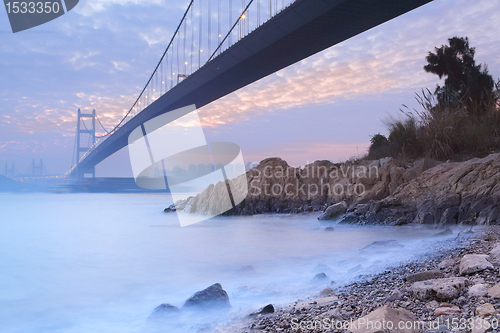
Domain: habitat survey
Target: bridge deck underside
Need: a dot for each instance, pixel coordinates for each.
(301, 30)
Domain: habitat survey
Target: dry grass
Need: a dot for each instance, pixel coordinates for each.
(452, 129)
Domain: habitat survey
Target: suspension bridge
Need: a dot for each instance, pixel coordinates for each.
(220, 46)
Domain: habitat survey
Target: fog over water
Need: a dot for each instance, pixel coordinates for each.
(102, 262)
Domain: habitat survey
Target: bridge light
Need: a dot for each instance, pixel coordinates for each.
(243, 16)
(185, 62)
(201, 50)
(220, 35)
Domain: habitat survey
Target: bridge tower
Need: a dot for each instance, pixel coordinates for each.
(82, 149)
(9, 171)
(39, 167)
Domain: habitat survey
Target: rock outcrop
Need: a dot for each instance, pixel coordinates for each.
(276, 187)
(446, 193)
(386, 191)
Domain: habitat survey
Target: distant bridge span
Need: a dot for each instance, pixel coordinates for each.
(304, 28)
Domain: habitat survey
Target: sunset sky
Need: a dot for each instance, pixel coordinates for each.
(100, 55)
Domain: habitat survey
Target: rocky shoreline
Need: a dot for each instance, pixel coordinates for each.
(386, 191)
(457, 283)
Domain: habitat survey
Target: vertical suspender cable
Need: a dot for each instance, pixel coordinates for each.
(192, 40)
(178, 66)
(218, 25)
(200, 49)
(184, 51)
(230, 41)
(230, 30)
(248, 24)
(209, 25)
(172, 67)
(258, 12)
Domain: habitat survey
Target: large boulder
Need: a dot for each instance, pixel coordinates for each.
(440, 289)
(214, 297)
(473, 263)
(384, 320)
(334, 211)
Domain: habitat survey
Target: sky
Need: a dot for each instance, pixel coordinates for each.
(100, 55)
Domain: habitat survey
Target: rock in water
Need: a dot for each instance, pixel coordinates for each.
(472, 263)
(380, 245)
(247, 270)
(214, 297)
(320, 277)
(445, 232)
(265, 310)
(163, 312)
(170, 209)
(334, 211)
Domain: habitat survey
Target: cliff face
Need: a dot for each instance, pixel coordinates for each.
(384, 191)
(448, 193)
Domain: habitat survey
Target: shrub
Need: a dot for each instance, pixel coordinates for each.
(445, 130)
(379, 147)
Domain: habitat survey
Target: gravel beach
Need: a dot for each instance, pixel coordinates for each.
(455, 287)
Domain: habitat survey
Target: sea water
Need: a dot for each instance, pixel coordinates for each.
(82, 262)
